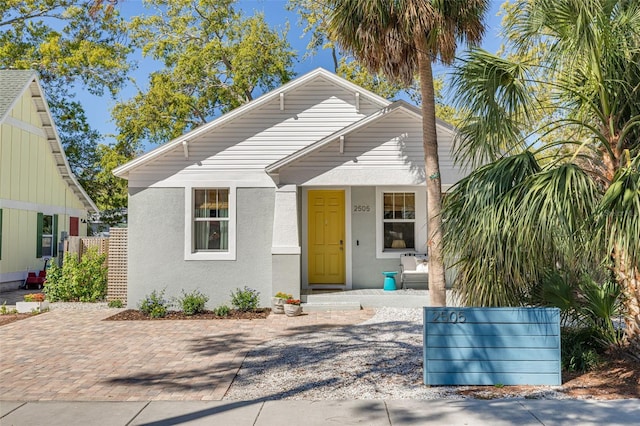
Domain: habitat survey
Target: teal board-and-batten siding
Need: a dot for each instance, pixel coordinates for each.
(489, 346)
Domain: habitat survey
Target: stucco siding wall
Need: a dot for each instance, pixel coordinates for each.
(286, 274)
(367, 270)
(156, 247)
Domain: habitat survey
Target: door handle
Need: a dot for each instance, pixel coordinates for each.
(340, 242)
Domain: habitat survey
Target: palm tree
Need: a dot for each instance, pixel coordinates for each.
(401, 38)
(561, 133)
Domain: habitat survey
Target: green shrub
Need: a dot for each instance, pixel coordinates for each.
(580, 349)
(585, 304)
(155, 305)
(193, 302)
(6, 311)
(600, 303)
(57, 287)
(222, 311)
(83, 281)
(245, 300)
(115, 303)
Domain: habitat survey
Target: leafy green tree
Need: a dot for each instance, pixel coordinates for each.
(401, 39)
(110, 192)
(215, 59)
(66, 41)
(81, 142)
(313, 18)
(71, 43)
(562, 192)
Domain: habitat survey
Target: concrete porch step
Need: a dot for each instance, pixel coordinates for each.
(331, 306)
(373, 298)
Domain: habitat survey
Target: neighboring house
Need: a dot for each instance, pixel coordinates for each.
(317, 184)
(40, 199)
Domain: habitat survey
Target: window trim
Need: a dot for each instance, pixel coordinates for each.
(40, 234)
(420, 221)
(401, 220)
(50, 236)
(189, 240)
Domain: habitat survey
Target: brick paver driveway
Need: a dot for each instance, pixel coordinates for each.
(74, 355)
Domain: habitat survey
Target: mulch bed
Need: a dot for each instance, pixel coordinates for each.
(618, 377)
(135, 315)
(9, 318)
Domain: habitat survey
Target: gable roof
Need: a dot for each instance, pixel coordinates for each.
(13, 85)
(395, 106)
(124, 170)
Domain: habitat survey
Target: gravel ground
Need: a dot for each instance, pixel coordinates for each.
(380, 358)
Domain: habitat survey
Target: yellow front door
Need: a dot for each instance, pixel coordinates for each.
(326, 237)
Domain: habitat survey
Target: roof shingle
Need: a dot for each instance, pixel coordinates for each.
(12, 84)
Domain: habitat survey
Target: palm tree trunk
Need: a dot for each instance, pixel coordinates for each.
(437, 291)
(629, 278)
(633, 306)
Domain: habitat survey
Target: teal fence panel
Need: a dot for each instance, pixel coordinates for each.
(489, 346)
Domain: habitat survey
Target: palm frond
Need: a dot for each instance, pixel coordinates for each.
(495, 93)
(554, 210)
(517, 220)
(475, 209)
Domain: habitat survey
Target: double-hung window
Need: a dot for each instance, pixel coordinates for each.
(399, 220)
(211, 219)
(47, 235)
(210, 227)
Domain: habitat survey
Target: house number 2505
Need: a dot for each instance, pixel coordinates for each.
(361, 208)
(448, 316)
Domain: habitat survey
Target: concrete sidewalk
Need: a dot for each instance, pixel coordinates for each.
(311, 413)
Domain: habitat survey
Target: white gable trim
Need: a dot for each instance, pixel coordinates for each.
(37, 96)
(273, 169)
(124, 170)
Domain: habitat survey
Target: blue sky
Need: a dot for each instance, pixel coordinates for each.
(98, 109)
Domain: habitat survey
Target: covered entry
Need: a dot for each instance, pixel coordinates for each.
(326, 236)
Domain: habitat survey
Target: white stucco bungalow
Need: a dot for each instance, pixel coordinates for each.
(317, 184)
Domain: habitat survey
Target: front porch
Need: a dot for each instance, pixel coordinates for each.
(368, 298)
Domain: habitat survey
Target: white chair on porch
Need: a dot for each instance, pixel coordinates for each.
(414, 268)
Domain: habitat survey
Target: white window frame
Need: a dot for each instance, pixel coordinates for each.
(47, 236)
(420, 227)
(189, 241)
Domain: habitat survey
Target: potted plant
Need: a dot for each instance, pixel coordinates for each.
(32, 302)
(277, 302)
(292, 307)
